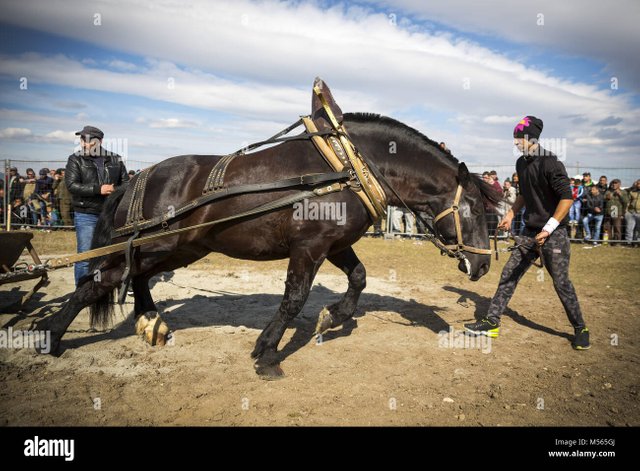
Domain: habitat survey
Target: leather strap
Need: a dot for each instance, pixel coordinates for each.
(121, 246)
(165, 219)
(455, 210)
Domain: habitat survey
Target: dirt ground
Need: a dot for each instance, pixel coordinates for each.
(389, 366)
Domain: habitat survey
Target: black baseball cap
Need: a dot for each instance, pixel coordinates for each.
(586, 173)
(90, 131)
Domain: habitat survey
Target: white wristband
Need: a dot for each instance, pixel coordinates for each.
(551, 225)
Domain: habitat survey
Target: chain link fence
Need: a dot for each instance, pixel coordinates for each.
(33, 195)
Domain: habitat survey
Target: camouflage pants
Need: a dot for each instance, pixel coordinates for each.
(556, 253)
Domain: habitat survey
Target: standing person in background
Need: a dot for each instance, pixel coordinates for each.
(44, 194)
(396, 221)
(632, 216)
(62, 197)
(602, 185)
(490, 211)
(28, 189)
(586, 181)
(615, 204)
(593, 211)
(606, 221)
(91, 175)
(517, 226)
(577, 192)
(15, 184)
(495, 181)
(508, 198)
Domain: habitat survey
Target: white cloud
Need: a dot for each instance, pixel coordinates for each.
(606, 32)
(494, 119)
(173, 123)
(256, 60)
(122, 65)
(59, 136)
(15, 133)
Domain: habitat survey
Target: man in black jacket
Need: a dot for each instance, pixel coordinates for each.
(593, 209)
(91, 175)
(545, 191)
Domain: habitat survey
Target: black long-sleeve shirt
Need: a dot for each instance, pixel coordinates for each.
(543, 183)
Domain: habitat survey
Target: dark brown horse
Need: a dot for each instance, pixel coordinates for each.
(424, 176)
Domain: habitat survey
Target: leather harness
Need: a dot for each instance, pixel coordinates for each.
(455, 210)
(324, 127)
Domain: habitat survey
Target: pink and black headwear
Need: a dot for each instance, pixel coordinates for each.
(528, 127)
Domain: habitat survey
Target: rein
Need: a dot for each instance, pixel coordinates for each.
(432, 234)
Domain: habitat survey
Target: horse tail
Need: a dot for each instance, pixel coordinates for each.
(101, 311)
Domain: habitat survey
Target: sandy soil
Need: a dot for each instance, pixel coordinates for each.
(387, 366)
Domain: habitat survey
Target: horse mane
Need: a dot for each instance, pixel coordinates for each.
(489, 194)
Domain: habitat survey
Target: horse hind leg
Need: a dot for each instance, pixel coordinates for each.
(338, 313)
(303, 266)
(88, 293)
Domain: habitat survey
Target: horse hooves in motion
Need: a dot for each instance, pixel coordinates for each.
(153, 329)
(424, 176)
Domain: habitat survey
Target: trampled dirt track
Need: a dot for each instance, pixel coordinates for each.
(388, 366)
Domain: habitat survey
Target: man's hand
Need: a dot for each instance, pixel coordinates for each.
(541, 237)
(505, 224)
(106, 189)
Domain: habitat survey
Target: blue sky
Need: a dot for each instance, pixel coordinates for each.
(164, 78)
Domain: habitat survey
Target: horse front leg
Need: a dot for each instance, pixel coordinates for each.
(336, 314)
(303, 266)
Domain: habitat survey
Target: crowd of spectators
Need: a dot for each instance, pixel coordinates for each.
(41, 200)
(600, 212)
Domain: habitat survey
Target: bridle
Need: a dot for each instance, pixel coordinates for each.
(459, 246)
(431, 232)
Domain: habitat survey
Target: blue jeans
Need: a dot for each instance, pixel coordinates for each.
(633, 222)
(85, 225)
(574, 212)
(585, 222)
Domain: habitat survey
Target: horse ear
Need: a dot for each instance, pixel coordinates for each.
(463, 174)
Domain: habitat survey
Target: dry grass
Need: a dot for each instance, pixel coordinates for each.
(605, 271)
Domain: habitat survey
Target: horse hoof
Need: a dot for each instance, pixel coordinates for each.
(324, 321)
(154, 331)
(270, 372)
(141, 324)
